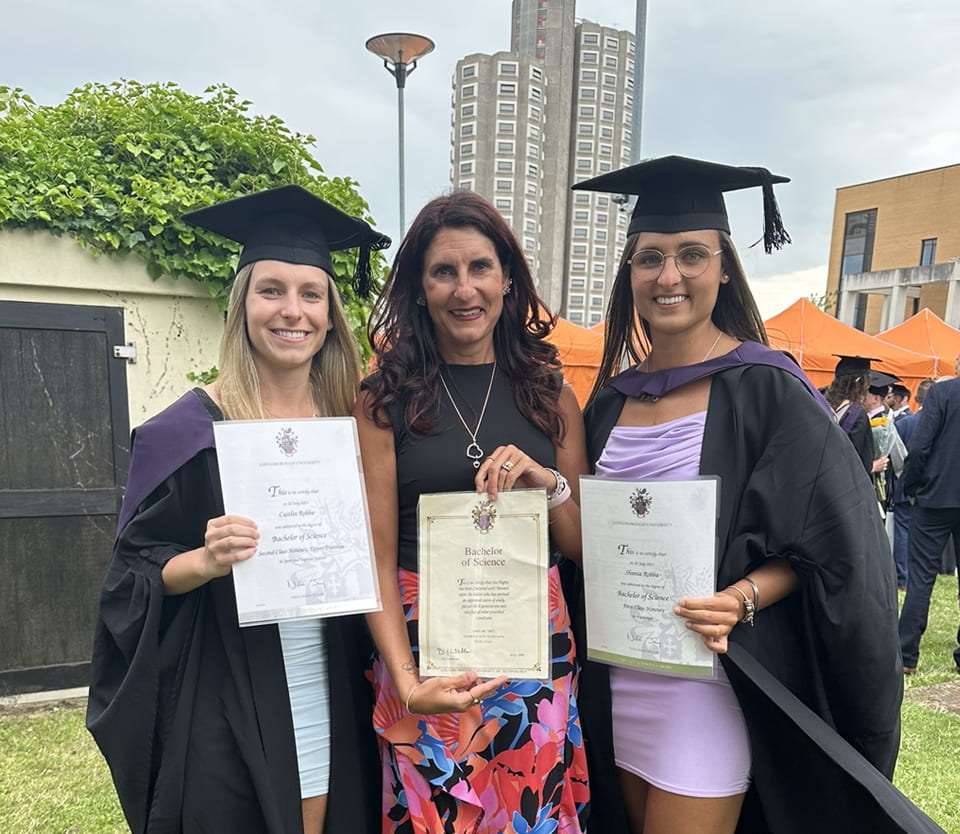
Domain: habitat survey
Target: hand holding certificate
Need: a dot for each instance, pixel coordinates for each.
(483, 584)
(646, 545)
(300, 481)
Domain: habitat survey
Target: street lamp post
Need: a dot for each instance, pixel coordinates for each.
(400, 52)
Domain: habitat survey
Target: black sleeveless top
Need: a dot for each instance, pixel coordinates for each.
(438, 462)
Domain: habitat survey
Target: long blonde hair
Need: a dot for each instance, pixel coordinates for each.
(334, 373)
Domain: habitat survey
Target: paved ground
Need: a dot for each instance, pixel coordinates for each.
(943, 697)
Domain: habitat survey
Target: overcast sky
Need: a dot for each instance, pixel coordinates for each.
(829, 93)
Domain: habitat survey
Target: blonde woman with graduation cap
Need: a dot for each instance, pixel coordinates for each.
(208, 727)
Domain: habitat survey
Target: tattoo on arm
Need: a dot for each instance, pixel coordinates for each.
(410, 667)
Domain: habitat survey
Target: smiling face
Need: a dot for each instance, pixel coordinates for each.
(670, 303)
(463, 285)
(287, 312)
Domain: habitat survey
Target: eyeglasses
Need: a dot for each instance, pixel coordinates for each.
(691, 261)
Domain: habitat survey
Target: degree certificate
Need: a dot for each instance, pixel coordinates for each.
(301, 482)
(484, 603)
(647, 544)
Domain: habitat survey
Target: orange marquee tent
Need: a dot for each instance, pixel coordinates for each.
(580, 352)
(927, 333)
(814, 338)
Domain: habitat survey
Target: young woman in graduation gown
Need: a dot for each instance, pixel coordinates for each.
(804, 615)
(208, 727)
(468, 397)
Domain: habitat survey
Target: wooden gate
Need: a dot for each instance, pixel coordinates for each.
(64, 437)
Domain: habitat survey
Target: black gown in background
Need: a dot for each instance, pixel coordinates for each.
(192, 712)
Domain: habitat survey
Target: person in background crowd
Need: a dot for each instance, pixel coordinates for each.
(845, 396)
(902, 508)
(930, 482)
(898, 401)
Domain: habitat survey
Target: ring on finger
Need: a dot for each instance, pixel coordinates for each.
(507, 465)
(476, 702)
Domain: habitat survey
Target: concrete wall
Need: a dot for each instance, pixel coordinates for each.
(175, 324)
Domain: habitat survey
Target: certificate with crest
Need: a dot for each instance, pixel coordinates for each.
(646, 545)
(301, 482)
(484, 600)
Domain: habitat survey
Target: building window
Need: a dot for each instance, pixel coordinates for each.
(503, 203)
(581, 198)
(576, 300)
(579, 249)
(584, 164)
(577, 283)
(596, 301)
(596, 318)
(466, 185)
(508, 69)
(611, 43)
(599, 269)
(606, 115)
(599, 251)
(535, 93)
(591, 39)
(576, 317)
(469, 91)
(467, 129)
(533, 132)
(588, 75)
(466, 167)
(858, 234)
(530, 207)
(589, 58)
(603, 201)
(533, 170)
(585, 128)
(581, 233)
(533, 150)
(605, 166)
(531, 189)
(597, 285)
(505, 166)
(508, 108)
(506, 127)
(587, 111)
(534, 112)
(600, 234)
(530, 225)
(585, 147)
(928, 251)
(609, 98)
(504, 185)
(469, 71)
(467, 110)
(507, 89)
(536, 74)
(588, 93)
(581, 214)
(610, 61)
(606, 133)
(466, 148)
(504, 147)
(860, 311)
(609, 80)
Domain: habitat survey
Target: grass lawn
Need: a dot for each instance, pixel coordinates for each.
(53, 780)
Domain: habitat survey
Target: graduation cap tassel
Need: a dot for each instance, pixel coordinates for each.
(361, 278)
(775, 236)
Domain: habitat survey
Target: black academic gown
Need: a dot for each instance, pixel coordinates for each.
(819, 676)
(190, 711)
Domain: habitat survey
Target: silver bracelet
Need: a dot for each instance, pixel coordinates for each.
(560, 494)
(756, 592)
(748, 606)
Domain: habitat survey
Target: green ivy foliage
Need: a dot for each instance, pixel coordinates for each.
(115, 166)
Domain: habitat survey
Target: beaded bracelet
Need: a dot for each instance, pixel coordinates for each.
(561, 494)
(748, 606)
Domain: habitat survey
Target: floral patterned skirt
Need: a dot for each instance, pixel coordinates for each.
(513, 765)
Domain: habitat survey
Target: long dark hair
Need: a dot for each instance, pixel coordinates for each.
(626, 337)
(404, 341)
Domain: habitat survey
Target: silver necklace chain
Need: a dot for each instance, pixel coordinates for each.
(473, 451)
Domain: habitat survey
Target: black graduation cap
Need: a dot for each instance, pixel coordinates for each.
(881, 382)
(678, 194)
(853, 365)
(293, 225)
(901, 390)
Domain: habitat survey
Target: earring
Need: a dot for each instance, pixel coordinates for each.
(506, 289)
(724, 279)
(421, 302)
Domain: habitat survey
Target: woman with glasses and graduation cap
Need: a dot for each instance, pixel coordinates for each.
(805, 613)
(208, 727)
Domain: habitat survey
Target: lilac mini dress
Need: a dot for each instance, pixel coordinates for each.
(686, 736)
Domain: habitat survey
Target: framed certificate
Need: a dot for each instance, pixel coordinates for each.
(301, 482)
(484, 602)
(647, 544)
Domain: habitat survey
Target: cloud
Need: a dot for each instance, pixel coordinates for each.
(776, 293)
